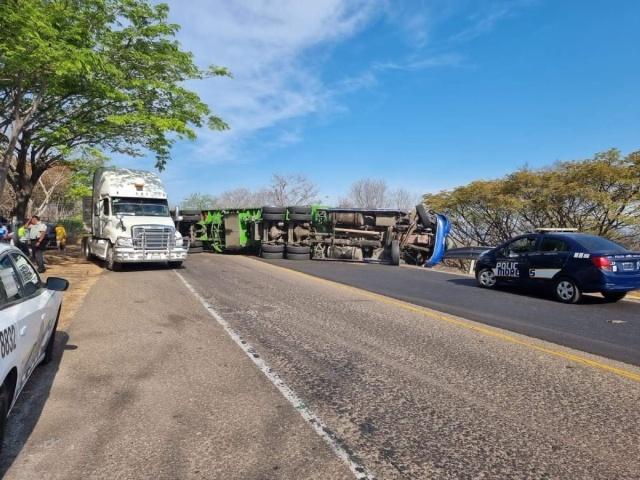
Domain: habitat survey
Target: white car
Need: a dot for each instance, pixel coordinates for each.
(29, 311)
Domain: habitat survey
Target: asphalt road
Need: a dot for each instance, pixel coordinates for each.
(610, 330)
(147, 384)
(412, 395)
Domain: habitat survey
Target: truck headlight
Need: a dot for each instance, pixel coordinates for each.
(179, 241)
(124, 242)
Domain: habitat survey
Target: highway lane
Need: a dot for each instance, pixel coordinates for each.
(411, 395)
(610, 330)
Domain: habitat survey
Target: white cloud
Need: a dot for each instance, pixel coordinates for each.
(268, 46)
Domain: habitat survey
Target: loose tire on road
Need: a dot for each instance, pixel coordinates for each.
(395, 252)
(486, 278)
(48, 351)
(109, 261)
(614, 296)
(566, 290)
(175, 264)
(300, 217)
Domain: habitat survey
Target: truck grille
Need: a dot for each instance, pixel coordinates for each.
(152, 237)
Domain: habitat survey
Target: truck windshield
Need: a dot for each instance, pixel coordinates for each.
(146, 207)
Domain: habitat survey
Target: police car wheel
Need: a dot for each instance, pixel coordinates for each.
(48, 352)
(567, 291)
(486, 278)
(613, 296)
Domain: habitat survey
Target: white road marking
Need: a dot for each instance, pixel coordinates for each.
(359, 471)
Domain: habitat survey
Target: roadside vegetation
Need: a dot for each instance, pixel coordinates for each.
(600, 195)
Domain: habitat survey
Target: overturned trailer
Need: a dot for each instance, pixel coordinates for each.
(319, 232)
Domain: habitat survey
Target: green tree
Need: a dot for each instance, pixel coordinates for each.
(96, 73)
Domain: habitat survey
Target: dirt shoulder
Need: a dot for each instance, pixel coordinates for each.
(82, 275)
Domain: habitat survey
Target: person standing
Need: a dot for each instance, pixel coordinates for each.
(37, 240)
(61, 237)
(21, 239)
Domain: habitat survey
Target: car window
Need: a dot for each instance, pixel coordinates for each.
(29, 277)
(9, 285)
(519, 247)
(593, 243)
(553, 245)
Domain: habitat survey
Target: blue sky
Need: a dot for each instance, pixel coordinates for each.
(427, 95)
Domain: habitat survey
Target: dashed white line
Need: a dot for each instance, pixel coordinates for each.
(359, 471)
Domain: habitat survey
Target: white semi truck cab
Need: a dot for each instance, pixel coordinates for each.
(129, 221)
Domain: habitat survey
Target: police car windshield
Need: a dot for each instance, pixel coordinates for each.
(594, 243)
(145, 207)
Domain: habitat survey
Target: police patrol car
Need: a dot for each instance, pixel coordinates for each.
(29, 311)
(572, 263)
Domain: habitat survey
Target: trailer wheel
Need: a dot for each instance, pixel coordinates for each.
(272, 255)
(300, 210)
(274, 217)
(395, 252)
(274, 209)
(109, 261)
(300, 217)
(301, 249)
(425, 217)
(272, 248)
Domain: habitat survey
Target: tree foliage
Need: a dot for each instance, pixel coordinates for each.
(599, 195)
(97, 73)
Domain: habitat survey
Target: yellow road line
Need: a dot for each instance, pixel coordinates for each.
(489, 331)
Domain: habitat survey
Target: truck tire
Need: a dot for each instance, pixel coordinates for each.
(423, 214)
(86, 249)
(274, 209)
(109, 261)
(196, 249)
(177, 264)
(395, 252)
(272, 255)
(274, 217)
(298, 249)
(300, 210)
(300, 217)
(272, 248)
(298, 256)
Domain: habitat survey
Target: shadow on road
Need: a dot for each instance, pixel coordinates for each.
(29, 406)
(533, 292)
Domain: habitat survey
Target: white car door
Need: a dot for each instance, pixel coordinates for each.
(35, 312)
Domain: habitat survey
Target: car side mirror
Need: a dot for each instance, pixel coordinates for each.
(57, 284)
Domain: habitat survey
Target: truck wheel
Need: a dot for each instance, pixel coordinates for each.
(298, 256)
(566, 290)
(175, 264)
(274, 209)
(425, 217)
(109, 261)
(48, 352)
(196, 249)
(300, 209)
(300, 217)
(395, 252)
(272, 255)
(272, 248)
(301, 249)
(613, 296)
(86, 249)
(274, 217)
